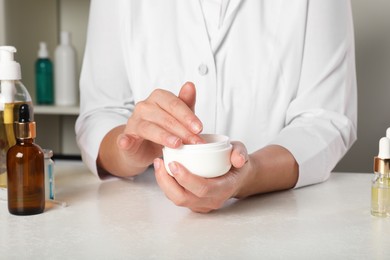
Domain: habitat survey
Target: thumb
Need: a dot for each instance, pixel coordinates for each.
(188, 95)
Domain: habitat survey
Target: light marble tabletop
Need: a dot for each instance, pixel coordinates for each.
(132, 219)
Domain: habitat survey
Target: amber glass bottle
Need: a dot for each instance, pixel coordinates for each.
(25, 168)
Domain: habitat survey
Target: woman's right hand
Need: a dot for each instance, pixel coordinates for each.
(163, 119)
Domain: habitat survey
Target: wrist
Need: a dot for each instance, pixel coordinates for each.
(272, 168)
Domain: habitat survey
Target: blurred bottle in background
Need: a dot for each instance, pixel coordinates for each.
(66, 87)
(44, 76)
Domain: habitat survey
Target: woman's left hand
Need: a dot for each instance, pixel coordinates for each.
(201, 194)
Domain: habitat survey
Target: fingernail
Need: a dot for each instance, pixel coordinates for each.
(243, 158)
(196, 127)
(200, 141)
(195, 140)
(174, 141)
(173, 168)
(156, 164)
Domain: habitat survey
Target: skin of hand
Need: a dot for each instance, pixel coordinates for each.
(271, 168)
(163, 119)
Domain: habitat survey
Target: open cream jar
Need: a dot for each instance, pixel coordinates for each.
(208, 160)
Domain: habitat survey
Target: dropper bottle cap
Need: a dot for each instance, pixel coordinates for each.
(388, 132)
(382, 161)
(24, 127)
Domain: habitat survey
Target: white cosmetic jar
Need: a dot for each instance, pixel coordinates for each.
(208, 160)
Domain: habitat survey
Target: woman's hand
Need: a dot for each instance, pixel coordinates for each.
(200, 194)
(271, 168)
(163, 119)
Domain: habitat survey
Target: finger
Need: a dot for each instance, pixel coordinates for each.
(156, 134)
(188, 95)
(178, 109)
(239, 155)
(201, 210)
(148, 116)
(179, 194)
(171, 188)
(199, 186)
(133, 144)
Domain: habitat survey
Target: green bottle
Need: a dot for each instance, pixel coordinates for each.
(44, 76)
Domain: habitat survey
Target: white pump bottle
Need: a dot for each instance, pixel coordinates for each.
(12, 94)
(9, 72)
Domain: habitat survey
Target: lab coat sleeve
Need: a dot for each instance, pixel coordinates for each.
(321, 119)
(106, 100)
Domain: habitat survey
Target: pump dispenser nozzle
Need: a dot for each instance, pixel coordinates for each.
(9, 72)
(9, 68)
(43, 52)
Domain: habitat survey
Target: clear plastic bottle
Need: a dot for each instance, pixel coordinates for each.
(65, 72)
(49, 175)
(380, 190)
(26, 170)
(12, 95)
(44, 76)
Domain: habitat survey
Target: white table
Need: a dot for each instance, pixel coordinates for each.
(132, 219)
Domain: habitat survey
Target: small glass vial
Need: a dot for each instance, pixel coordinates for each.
(380, 190)
(49, 174)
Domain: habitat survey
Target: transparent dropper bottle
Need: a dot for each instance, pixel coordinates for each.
(380, 190)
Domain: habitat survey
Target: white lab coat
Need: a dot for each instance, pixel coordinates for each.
(275, 72)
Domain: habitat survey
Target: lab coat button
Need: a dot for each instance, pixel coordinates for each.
(202, 69)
